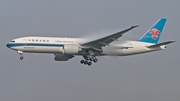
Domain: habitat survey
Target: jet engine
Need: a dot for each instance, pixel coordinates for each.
(62, 57)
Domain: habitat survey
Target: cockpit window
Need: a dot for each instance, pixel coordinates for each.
(12, 41)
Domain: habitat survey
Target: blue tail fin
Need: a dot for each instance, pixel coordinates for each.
(154, 33)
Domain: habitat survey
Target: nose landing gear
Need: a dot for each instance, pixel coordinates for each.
(21, 55)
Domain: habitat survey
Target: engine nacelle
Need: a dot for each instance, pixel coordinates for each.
(71, 49)
(62, 57)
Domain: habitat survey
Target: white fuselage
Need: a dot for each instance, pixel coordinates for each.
(56, 45)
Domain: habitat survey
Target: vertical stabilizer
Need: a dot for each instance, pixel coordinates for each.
(154, 33)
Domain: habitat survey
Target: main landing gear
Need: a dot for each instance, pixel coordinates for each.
(88, 60)
(21, 55)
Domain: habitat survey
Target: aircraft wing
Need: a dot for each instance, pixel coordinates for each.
(106, 40)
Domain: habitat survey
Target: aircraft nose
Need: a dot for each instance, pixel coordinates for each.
(7, 45)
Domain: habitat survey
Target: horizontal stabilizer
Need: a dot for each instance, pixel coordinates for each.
(160, 44)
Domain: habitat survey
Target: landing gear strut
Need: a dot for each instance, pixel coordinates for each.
(21, 55)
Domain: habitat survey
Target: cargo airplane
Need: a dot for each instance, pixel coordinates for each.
(66, 48)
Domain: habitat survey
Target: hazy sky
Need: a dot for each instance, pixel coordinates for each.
(146, 77)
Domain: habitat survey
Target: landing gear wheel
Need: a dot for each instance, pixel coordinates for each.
(95, 60)
(88, 58)
(85, 62)
(21, 57)
(89, 63)
(82, 61)
(91, 59)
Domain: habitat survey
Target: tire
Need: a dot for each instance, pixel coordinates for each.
(21, 58)
(89, 63)
(85, 62)
(95, 60)
(91, 59)
(82, 61)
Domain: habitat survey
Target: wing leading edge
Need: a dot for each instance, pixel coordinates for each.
(99, 43)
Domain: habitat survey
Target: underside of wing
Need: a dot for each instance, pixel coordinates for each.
(99, 43)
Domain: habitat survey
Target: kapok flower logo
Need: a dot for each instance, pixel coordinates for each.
(154, 32)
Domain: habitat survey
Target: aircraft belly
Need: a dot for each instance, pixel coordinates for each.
(136, 50)
(123, 52)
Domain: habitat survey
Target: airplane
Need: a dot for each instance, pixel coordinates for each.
(67, 48)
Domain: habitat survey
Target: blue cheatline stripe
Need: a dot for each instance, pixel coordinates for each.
(10, 45)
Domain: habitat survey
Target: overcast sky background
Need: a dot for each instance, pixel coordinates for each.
(146, 77)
